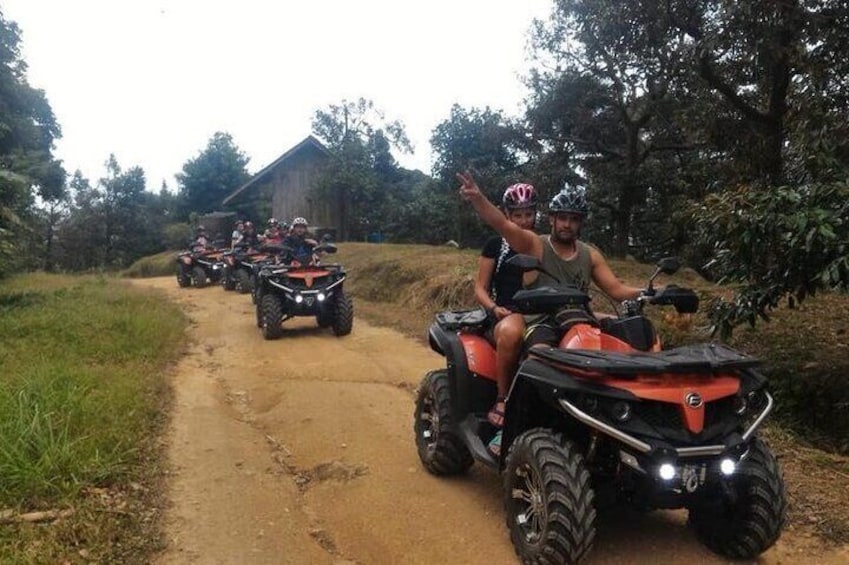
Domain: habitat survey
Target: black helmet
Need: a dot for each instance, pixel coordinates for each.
(200, 229)
(518, 196)
(571, 198)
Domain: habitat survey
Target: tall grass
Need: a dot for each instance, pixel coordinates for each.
(82, 387)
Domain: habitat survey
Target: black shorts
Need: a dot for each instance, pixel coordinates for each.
(542, 332)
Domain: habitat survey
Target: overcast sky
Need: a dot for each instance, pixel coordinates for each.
(152, 80)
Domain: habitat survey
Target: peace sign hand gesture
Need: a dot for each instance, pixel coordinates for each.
(469, 189)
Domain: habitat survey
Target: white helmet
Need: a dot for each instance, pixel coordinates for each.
(299, 222)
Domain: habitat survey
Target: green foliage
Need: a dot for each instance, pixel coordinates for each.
(789, 242)
(206, 180)
(485, 142)
(27, 167)
(362, 177)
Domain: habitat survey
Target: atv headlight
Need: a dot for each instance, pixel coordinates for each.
(727, 466)
(666, 471)
(320, 297)
(756, 399)
(621, 411)
(740, 405)
(298, 299)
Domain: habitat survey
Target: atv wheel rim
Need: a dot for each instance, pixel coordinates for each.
(429, 423)
(530, 509)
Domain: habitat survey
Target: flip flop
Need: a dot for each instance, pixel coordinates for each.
(496, 414)
(494, 446)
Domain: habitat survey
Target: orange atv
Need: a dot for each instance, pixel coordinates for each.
(304, 287)
(241, 264)
(606, 416)
(198, 266)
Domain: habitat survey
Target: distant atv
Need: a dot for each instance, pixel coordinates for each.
(195, 268)
(241, 265)
(303, 289)
(607, 416)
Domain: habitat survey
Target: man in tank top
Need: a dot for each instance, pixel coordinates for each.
(561, 252)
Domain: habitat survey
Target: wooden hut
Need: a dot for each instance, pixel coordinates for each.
(289, 181)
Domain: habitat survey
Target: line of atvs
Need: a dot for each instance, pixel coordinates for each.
(281, 285)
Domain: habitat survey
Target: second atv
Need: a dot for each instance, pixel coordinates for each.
(303, 288)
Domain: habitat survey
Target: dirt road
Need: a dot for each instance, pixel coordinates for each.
(300, 450)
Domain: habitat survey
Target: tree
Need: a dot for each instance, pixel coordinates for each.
(206, 180)
(27, 131)
(603, 102)
(481, 140)
(362, 173)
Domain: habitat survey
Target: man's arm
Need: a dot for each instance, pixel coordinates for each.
(522, 241)
(607, 281)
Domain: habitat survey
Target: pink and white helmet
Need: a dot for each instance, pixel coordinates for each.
(519, 195)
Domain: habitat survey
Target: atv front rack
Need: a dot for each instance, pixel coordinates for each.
(701, 358)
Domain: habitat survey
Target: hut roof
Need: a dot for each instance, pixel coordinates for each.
(309, 142)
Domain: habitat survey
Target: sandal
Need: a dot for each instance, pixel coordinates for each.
(494, 446)
(495, 416)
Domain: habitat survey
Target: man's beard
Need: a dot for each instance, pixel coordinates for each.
(565, 239)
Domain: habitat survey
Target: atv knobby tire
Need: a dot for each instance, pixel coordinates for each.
(747, 523)
(324, 318)
(184, 280)
(228, 282)
(549, 500)
(441, 452)
(198, 277)
(271, 308)
(243, 281)
(343, 315)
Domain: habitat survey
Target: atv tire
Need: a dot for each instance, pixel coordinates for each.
(271, 309)
(243, 281)
(324, 318)
(343, 315)
(184, 280)
(198, 277)
(442, 453)
(749, 521)
(549, 499)
(227, 280)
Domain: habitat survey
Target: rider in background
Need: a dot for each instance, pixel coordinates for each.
(495, 286)
(300, 242)
(273, 235)
(201, 241)
(236, 237)
(249, 236)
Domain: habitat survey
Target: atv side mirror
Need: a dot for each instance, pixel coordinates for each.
(524, 262)
(668, 265)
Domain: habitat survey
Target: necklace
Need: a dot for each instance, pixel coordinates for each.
(571, 254)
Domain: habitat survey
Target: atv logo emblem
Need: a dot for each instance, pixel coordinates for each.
(693, 400)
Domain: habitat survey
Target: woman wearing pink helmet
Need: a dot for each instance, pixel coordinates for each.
(495, 286)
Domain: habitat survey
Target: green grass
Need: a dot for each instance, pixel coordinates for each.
(81, 402)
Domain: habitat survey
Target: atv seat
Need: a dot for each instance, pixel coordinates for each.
(475, 320)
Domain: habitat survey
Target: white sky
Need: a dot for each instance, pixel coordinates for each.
(152, 80)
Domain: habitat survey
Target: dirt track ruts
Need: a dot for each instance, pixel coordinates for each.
(300, 450)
